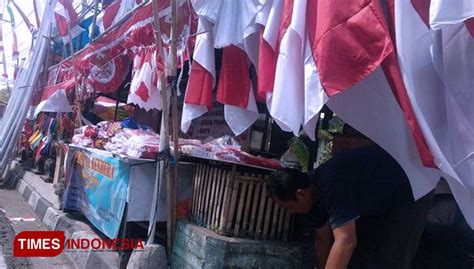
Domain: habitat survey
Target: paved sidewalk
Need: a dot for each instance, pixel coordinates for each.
(41, 199)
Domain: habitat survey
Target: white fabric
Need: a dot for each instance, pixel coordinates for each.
(75, 29)
(144, 77)
(124, 8)
(56, 102)
(448, 12)
(204, 55)
(371, 108)
(287, 104)
(230, 18)
(437, 71)
(240, 119)
(234, 23)
(271, 35)
(314, 95)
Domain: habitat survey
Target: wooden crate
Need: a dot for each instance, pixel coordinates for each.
(231, 200)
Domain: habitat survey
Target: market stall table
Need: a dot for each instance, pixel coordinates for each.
(110, 189)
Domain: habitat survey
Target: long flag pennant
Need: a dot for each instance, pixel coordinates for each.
(15, 52)
(30, 26)
(2, 49)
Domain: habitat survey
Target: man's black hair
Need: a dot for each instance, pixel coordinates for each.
(284, 183)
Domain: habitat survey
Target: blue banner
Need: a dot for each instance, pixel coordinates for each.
(96, 185)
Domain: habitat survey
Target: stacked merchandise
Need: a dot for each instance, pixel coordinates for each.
(48, 128)
(225, 148)
(124, 138)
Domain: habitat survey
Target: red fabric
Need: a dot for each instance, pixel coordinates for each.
(110, 13)
(267, 58)
(393, 74)
(108, 76)
(422, 7)
(48, 91)
(470, 26)
(63, 22)
(199, 91)
(142, 92)
(348, 40)
(234, 79)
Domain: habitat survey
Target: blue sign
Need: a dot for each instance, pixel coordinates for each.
(96, 185)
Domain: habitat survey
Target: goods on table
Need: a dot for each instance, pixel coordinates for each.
(118, 138)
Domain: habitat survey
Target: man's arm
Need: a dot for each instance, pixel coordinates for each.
(323, 242)
(345, 240)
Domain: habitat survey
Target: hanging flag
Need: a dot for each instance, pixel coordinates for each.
(66, 20)
(37, 15)
(106, 17)
(30, 26)
(202, 79)
(235, 90)
(54, 98)
(15, 52)
(2, 48)
(449, 12)
(436, 68)
(274, 29)
(105, 71)
(240, 43)
(144, 89)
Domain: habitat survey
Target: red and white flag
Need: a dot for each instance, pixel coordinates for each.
(202, 78)
(436, 70)
(113, 13)
(2, 48)
(286, 105)
(239, 40)
(54, 98)
(105, 71)
(235, 90)
(144, 85)
(66, 20)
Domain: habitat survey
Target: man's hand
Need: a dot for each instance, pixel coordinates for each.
(345, 240)
(323, 242)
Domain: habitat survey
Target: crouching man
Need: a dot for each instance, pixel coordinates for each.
(361, 205)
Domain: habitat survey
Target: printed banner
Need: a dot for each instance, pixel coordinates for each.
(96, 185)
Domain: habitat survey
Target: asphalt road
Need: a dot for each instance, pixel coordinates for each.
(16, 216)
(7, 234)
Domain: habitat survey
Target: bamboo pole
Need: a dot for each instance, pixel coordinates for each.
(220, 198)
(268, 211)
(174, 94)
(207, 194)
(77, 94)
(253, 215)
(280, 223)
(250, 190)
(193, 190)
(212, 198)
(233, 201)
(164, 134)
(240, 208)
(227, 194)
(261, 210)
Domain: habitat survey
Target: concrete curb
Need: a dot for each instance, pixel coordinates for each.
(55, 219)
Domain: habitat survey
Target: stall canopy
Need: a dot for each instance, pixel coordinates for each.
(405, 83)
